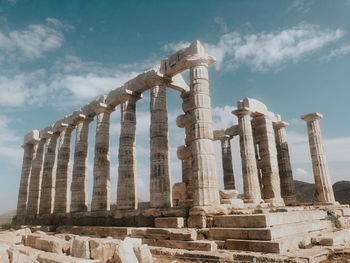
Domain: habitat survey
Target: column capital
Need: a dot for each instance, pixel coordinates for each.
(311, 116)
(102, 107)
(225, 138)
(183, 152)
(199, 60)
(158, 80)
(242, 111)
(182, 120)
(280, 124)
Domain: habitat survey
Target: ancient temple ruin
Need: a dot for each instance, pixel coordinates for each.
(195, 203)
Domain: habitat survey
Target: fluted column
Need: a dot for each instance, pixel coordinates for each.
(35, 178)
(126, 190)
(102, 184)
(63, 170)
(324, 190)
(79, 197)
(25, 179)
(269, 164)
(227, 167)
(284, 165)
(47, 186)
(160, 186)
(205, 185)
(249, 168)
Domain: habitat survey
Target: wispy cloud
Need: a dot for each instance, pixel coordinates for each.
(267, 50)
(31, 42)
(338, 52)
(301, 6)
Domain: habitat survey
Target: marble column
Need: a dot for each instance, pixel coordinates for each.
(63, 170)
(284, 165)
(79, 196)
(22, 201)
(271, 191)
(126, 189)
(160, 186)
(205, 184)
(249, 168)
(102, 183)
(324, 190)
(227, 167)
(35, 178)
(47, 186)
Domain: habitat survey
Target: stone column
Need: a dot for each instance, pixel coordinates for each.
(160, 186)
(205, 185)
(25, 179)
(284, 165)
(249, 168)
(47, 186)
(79, 197)
(126, 189)
(63, 170)
(269, 164)
(35, 178)
(102, 183)
(227, 167)
(324, 190)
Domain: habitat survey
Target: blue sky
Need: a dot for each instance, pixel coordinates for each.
(56, 56)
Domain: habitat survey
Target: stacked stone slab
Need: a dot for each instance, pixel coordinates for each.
(271, 191)
(35, 178)
(47, 183)
(284, 165)
(30, 140)
(126, 192)
(160, 185)
(101, 187)
(324, 190)
(63, 169)
(79, 202)
(251, 186)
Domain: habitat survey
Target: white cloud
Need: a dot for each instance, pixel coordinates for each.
(300, 172)
(339, 52)
(267, 50)
(223, 26)
(10, 150)
(31, 42)
(223, 117)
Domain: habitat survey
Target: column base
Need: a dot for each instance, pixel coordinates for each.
(275, 201)
(290, 200)
(253, 201)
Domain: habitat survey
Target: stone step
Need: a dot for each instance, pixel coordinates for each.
(341, 237)
(269, 233)
(169, 222)
(139, 232)
(279, 246)
(200, 245)
(267, 220)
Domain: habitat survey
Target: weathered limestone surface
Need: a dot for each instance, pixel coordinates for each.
(25, 179)
(284, 165)
(205, 185)
(227, 167)
(35, 178)
(126, 191)
(249, 168)
(265, 138)
(63, 169)
(79, 196)
(324, 190)
(47, 186)
(160, 184)
(101, 187)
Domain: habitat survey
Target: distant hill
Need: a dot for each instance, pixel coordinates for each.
(7, 217)
(305, 192)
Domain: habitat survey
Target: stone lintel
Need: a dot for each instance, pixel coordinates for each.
(61, 128)
(32, 137)
(231, 132)
(312, 116)
(184, 59)
(183, 152)
(224, 137)
(178, 83)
